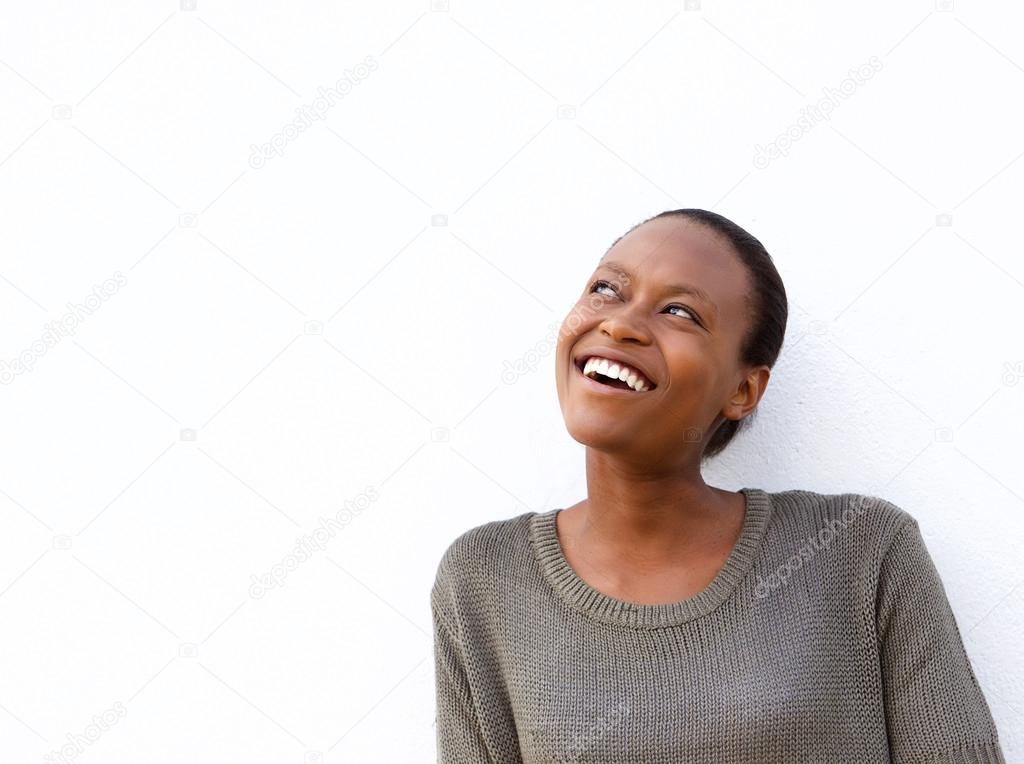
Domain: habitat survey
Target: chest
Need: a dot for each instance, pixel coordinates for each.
(632, 582)
(683, 697)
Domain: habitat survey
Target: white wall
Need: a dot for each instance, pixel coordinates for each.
(283, 337)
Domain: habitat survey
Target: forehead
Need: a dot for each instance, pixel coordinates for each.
(681, 251)
(674, 248)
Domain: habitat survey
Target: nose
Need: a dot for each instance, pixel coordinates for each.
(624, 325)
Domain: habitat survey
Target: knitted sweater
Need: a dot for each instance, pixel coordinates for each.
(825, 637)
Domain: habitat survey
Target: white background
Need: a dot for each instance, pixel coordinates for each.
(329, 330)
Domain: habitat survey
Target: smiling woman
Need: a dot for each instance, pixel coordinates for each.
(661, 619)
(713, 282)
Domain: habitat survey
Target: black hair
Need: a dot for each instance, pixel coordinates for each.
(768, 308)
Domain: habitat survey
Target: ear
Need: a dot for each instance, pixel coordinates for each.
(748, 392)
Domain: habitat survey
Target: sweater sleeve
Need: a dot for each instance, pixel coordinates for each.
(459, 734)
(935, 710)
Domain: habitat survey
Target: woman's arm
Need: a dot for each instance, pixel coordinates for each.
(459, 736)
(935, 710)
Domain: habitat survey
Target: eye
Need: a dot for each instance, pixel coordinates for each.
(601, 284)
(693, 315)
(598, 284)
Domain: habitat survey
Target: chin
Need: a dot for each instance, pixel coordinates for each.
(598, 432)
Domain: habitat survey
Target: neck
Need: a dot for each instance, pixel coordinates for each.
(648, 516)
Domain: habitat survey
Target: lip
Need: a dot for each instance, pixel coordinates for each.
(599, 387)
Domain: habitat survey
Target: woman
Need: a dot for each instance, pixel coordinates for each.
(661, 619)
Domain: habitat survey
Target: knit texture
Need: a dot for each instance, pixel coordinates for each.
(825, 637)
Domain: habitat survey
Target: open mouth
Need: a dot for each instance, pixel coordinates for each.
(609, 374)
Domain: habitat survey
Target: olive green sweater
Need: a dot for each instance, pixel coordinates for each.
(825, 637)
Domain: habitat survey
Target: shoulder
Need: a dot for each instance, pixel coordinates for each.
(481, 552)
(863, 521)
(798, 502)
(841, 542)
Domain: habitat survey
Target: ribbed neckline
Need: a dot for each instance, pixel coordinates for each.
(583, 597)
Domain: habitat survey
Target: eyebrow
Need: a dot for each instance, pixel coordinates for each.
(689, 289)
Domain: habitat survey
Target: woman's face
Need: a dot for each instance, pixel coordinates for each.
(685, 343)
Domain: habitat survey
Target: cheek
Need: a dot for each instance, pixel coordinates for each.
(563, 347)
(572, 324)
(693, 369)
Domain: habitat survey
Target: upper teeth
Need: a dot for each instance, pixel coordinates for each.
(616, 370)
